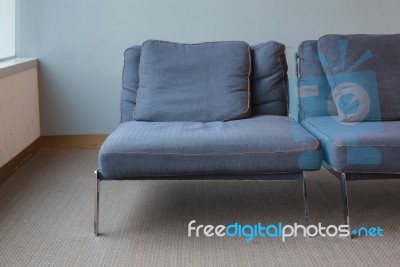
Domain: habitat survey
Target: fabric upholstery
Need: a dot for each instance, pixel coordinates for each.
(365, 147)
(219, 177)
(314, 93)
(130, 82)
(193, 82)
(364, 74)
(269, 79)
(261, 144)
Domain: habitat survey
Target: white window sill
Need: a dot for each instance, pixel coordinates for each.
(16, 65)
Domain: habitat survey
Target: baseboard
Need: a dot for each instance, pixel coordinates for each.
(73, 141)
(15, 163)
(92, 141)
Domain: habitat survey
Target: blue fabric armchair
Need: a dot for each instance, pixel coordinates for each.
(173, 99)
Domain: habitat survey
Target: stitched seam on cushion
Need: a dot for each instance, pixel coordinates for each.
(193, 44)
(194, 174)
(333, 141)
(229, 154)
(370, 172)
(361, 172)
(248, 89)
(283, 78)
(334, 79)
(365, 172)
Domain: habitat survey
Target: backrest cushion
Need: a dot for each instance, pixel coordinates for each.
(314, 93)
(268, 84)
(193, 82)
(269, 79)
(364, 75)
(130, 82)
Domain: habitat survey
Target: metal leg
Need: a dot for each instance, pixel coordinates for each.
(305, 200)
(345, 200)
(96, 204)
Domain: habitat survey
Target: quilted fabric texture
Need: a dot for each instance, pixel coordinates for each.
(193, 82)
(366, 147)
(364, 74)
(258, 145)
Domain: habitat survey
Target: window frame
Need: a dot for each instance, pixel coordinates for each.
(14, 54)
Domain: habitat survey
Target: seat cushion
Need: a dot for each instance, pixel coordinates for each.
(261, 144)
(193, 82)
(363, 147)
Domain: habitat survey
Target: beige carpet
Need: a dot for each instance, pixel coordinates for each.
(46, 219)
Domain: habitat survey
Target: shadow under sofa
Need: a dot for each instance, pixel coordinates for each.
(262, 143)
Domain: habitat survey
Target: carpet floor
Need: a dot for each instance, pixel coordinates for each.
(46, 212)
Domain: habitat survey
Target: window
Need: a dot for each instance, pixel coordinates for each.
(7, 29)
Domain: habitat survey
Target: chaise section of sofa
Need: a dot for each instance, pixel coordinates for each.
(348, 99)
(204, 111)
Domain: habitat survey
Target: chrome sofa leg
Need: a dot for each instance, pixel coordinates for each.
(305, 197)
(343, 185)
(96, 204)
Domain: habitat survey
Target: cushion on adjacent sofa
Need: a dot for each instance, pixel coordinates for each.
(364, 74)
(269, 79)
(193, 82)
(314, 93)
(258, 145)
(365, 147)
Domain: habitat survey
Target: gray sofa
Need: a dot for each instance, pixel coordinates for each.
(206, 111)
(348, 87)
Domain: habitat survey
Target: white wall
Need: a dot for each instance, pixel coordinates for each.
(80, 44)
(19, 113)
